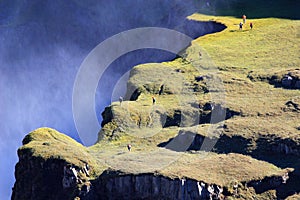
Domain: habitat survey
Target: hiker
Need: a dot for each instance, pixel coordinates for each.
(121, 100)
(285, 177)
(200, 55)
(153, 100)
(241, 26)
(129, 147)
(251, 25)
(235, 189)
(244, 19)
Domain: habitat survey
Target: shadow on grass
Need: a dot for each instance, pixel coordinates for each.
(237, 30)
(283, 153)
(288, 9)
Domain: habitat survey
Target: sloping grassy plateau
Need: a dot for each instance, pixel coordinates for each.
(233, 69)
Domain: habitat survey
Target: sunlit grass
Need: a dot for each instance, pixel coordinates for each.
(272, 47)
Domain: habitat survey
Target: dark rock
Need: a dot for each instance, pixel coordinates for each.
(107, 116)
(199, 78)
(268, 183)
(173, 120)
(179, 70)
(297, 84)
(290, 80)
(287, 81)
(214, 113)
(292, 106)
(150, 186)
(39, 179)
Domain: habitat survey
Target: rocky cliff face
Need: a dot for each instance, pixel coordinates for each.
(49, 179)
(151, 186)
(39, 179)
(56, 179)
(53, 166)
(255, 157)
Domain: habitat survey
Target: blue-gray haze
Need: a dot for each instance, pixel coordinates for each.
(43, 43)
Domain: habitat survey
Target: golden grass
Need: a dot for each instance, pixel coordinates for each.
(272, 44)
(47, 143)
(271, 47)
(221, 169)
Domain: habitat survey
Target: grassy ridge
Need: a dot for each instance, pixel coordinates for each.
(273, 44)
(272, 47)
(47, 143)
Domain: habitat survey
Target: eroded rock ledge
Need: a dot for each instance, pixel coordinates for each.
(288, 79)
(50, 179)
(111, 185)
(43, 172)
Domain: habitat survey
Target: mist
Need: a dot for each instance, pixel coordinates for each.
(43, 43)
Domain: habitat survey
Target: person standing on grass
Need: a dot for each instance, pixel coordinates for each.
(241, 26)
(251, 25)
(244, 19)
(129, 147)
(153, 100)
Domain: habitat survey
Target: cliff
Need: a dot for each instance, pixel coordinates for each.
(46, 166)
(53, 166)
(227, 128)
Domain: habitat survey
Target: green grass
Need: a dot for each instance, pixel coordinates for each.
(47, 143)
(226, 168)
(146, 157)
(271, 48)
(228, 58)
(272, 44)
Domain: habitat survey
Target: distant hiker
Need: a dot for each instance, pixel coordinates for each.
(251, 25)
(161, 90)
(153, 100)
(121, 100)
(200, 55)
(244, 19)
(285, 177)
(241, 26)
(129, 147)
(235, 189)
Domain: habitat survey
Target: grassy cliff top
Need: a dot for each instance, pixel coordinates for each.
(241, 64)
(47, 143)
(272, 44)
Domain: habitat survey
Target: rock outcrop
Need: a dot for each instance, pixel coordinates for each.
(243, 143)
(151, 186)
(71, 174)
(51, 166)
(285, 79)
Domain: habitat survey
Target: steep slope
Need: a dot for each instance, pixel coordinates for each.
(217, 127)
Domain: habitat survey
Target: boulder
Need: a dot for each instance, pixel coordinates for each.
(287, 81)
(297, 84)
